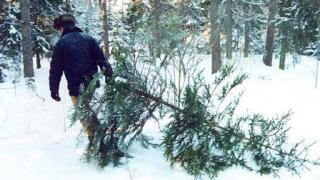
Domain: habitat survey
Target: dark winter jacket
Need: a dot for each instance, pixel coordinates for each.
(77, 55)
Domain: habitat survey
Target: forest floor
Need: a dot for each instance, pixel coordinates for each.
(36, 142)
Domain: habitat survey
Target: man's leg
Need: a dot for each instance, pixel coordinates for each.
(90, 121)
(74, 100)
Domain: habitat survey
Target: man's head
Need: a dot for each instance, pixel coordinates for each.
(63, 21)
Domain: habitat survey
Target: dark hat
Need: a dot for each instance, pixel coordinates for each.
(63, 21)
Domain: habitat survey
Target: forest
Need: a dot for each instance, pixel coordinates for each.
(182, 66)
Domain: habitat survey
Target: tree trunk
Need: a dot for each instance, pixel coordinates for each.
(317, 71)
(2, 7)
(88, 16)
(246, 29)
(38, 60)
(215, 35)
(89, 3)
(156, 29)
(74, 2)
(68, 6)
(26, 39)
(3, 4)
(104, 19)
(228, 26)
(284, 26)
(318, 55)
(267, 58)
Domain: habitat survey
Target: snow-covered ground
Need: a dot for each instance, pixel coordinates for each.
(36, 142)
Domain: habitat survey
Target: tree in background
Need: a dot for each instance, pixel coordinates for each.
(42, 13)
(257, 26)
(157, 29)
(204, 135)
(246, 16)
(68, 6)
(104, 25)
(305, 23)
(159, 42)
(215, 35)
(3, 5)
(10, 39)
(26, 39)
(284, 27)
(229, 27)
(272, 10)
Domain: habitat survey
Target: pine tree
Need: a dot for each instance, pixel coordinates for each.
(305, 23)
(3, 5)
(41, 30)
(257, 24)
(10, 38)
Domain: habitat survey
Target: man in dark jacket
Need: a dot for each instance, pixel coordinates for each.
(78, 56)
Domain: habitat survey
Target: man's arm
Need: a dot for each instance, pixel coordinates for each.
(100, 59)
(56, 70)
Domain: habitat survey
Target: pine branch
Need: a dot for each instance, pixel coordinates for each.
(216, 125)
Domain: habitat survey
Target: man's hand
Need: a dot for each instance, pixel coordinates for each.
(107, 71)
(55, 96)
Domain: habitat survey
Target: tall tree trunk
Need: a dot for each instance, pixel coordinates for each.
(104, 19)
(74, 2)
(318, 55)
(246, 29)
(88, 16)
(68, 6)
(38, 60)
(2, 7)
(215, 35)
(284, 49)
(267, 58)
(156, 29)
(26, 39)
(3, 4)
(284, 26)
(229, 29)
(89, 3)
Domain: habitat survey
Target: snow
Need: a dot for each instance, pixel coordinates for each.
(120, 79)
(13, 30)
(36, 142)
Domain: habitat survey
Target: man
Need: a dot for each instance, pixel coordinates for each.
(78, 56)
